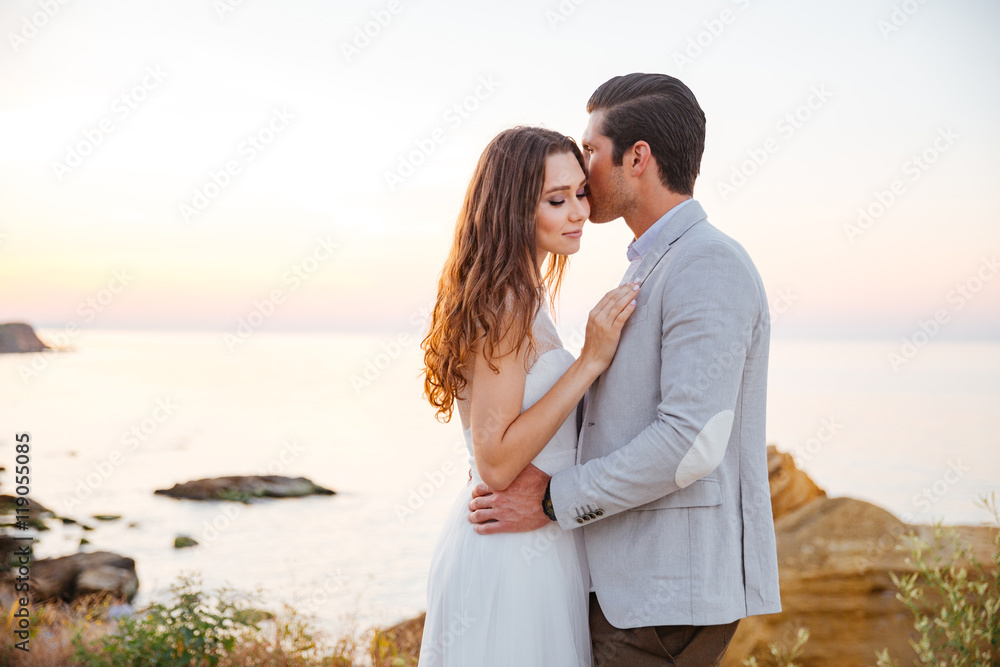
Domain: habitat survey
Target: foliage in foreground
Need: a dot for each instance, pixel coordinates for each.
(953, 598)
(781, 656)
(964, 627)
(192, 628)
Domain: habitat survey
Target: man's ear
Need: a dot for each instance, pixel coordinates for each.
(638, 158)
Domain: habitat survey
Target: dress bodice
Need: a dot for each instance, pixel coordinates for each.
(550, 363)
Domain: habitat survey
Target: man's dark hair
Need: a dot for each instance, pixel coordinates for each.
(663, 112)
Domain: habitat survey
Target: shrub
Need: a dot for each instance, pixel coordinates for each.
(954, 600)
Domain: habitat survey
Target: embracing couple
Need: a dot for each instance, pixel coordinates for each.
(619, 511)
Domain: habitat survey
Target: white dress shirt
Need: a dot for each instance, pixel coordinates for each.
(640, 246)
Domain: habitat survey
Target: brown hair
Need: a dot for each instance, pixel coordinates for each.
(487, 288)
(663, 112)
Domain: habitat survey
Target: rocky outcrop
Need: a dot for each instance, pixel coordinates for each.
(19, 337)
(27, 510)
(834, 560)
(245, 488)
(835, 556)
(404, 637)
(80, 574)
(791, 488)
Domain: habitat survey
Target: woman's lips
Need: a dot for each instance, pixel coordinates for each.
(574, 235)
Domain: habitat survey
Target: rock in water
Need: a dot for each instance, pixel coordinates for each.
(69, 577)
(183, 541)
(244, 488)
(120, 582)
(33, 513)
(20, 337)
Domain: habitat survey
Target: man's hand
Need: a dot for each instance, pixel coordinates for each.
(516, 509)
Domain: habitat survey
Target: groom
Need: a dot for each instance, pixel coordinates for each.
(671, 485)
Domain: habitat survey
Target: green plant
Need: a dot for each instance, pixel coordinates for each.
(190, 629)
(782, 656)
(954, 599)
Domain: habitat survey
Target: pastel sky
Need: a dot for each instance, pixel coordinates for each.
(185, 164)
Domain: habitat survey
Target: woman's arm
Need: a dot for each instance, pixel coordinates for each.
(504, 439)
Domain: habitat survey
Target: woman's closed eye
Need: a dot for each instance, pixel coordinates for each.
(580, 194)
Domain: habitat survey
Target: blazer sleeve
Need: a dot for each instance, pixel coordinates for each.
(713, 307)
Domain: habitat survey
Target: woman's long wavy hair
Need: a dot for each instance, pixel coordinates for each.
(493, 256)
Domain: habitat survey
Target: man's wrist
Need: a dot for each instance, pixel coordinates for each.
(547, 503)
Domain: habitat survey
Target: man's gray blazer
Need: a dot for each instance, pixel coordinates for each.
(671, 484)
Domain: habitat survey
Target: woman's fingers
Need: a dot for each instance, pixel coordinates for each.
(612, 302)
(624, 314)
(623, 297)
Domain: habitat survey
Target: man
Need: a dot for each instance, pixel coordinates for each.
(671, 483)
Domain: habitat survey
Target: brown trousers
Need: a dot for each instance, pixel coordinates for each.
(657, 646)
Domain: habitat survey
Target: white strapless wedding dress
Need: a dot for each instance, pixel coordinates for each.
(513, 599)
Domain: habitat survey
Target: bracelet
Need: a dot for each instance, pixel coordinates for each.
(547, 503)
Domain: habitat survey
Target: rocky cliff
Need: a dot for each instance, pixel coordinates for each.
(19, 337)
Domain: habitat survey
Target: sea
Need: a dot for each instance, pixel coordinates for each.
(127, 412)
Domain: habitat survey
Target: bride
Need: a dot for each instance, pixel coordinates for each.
(513, 599)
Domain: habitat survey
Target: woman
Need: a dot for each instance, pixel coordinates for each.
(492, 350)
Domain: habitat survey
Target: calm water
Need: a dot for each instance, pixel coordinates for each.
(346, 411)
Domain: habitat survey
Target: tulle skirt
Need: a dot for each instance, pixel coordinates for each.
(507, 600)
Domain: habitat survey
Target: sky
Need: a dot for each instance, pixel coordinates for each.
(299, 165)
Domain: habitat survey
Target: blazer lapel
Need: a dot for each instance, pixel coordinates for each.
(683, 220)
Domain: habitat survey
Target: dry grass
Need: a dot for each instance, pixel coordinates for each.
(286, 640)
(51, 627)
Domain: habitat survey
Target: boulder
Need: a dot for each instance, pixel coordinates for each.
(791, 488)
(120, 582)
(403, 637)
(183, 542)
(69, 577)
(32, 514)
(19, 337)
(834, 560)
(244, 488)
